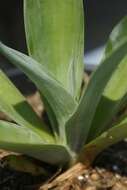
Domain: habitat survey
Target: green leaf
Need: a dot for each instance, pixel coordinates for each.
(61, 102)
(23, 140)
(114, 94)
(79, 125)
(117, 133)
(117, 37)
(111, 100)
(13, 103)
(55, 38)
(25, 164)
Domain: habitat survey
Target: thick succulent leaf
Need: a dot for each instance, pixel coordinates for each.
(14, 104)
(61, 102)
(116, 88)
(55, 38)
(117, 133)
(79, 125)
(23, 140)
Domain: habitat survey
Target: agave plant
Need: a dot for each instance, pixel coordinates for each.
(81, 122)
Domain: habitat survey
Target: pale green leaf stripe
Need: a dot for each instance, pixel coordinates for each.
(79, 125)
(23, 140)
(55, 38)
(60, 101)
(15, 106)
(117, 133)
(114, 94)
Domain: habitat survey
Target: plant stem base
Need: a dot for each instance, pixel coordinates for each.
(66, 180)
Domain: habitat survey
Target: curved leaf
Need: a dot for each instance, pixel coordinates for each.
(80, 123)
(114, 94)
(49, 87)
(23, 140)
(55, 38)
(14, 104)
(117, 133)
(117, 37)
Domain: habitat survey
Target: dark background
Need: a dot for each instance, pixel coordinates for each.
(101, 16)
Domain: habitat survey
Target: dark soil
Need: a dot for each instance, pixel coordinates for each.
(109, 171)
(12, 180)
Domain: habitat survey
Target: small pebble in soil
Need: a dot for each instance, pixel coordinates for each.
(117, 176)
(115, 168)
(86, 176)
(94, 176)
(80, 178)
